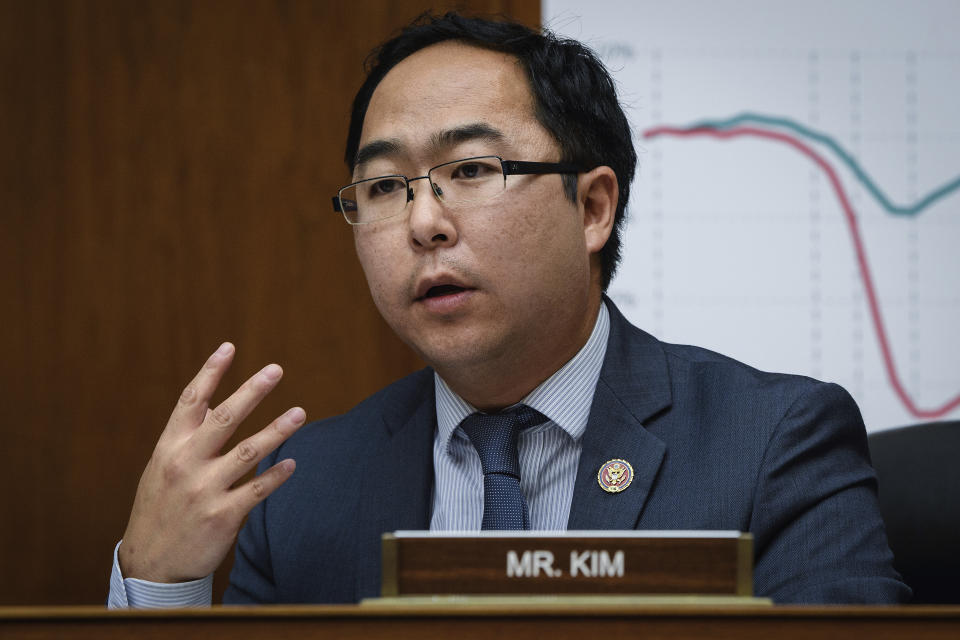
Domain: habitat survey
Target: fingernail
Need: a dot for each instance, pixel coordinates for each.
(271, 371)
(225, 349)
(295, 415)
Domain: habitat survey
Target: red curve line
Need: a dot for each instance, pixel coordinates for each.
(858, 246)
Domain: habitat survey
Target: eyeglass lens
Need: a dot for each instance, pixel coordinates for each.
(458, 183)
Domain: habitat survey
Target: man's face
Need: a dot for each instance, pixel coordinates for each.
(502, 284)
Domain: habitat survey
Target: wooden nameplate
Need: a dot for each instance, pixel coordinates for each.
(714, 563)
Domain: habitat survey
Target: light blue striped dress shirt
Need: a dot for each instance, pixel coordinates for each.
(549, 454)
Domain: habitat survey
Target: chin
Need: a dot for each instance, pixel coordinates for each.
(454, 351)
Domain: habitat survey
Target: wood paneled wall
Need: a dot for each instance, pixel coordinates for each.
(166, 174)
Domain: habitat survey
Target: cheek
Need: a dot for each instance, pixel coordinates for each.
(541, 246)
(374, 255)
(533, 208)
(550, 226)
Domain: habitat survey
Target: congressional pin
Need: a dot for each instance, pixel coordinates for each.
(615, 476)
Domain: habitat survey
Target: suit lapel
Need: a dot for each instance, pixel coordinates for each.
(634, 387)
(398, 479)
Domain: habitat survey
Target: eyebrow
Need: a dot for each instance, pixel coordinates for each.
(474, 131)
(438, 141)
(377, 149)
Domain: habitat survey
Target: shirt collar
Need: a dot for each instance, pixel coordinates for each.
(564, 398)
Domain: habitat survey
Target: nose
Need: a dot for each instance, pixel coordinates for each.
(430, 223)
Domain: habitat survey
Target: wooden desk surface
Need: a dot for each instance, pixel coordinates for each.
(487, 621)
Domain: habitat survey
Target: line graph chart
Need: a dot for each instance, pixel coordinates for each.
(797, 204)
(824, 139)
(729, 129)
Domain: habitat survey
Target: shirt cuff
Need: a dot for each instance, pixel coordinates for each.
(134, 593)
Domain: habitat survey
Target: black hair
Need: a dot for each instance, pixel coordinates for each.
(573, 94)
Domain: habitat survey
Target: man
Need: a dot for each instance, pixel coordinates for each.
(491, 170)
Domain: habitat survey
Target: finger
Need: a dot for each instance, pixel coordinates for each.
(248, 495)
(192, 406)
(246, 455)
(223, 420)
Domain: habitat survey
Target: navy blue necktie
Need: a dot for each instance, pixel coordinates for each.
(494, 436)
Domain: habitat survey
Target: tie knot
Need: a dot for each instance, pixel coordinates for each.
(494, 436)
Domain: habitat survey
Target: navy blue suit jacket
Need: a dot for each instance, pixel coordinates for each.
(715, 444)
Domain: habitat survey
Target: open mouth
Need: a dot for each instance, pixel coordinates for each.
(442, 290)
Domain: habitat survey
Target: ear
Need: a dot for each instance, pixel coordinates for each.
(598, 194)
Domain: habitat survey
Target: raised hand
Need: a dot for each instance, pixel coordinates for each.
(187, 511)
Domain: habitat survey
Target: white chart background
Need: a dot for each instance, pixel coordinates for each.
(742, 245)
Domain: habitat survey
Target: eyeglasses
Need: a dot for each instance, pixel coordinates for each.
(457, 184)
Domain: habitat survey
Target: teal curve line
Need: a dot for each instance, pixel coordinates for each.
(847, 159)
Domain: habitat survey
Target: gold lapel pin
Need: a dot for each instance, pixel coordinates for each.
(615, 475)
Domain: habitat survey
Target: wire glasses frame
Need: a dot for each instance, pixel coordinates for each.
(458, 182)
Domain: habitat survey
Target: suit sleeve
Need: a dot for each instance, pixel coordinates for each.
(818, 534)
(251, 579)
